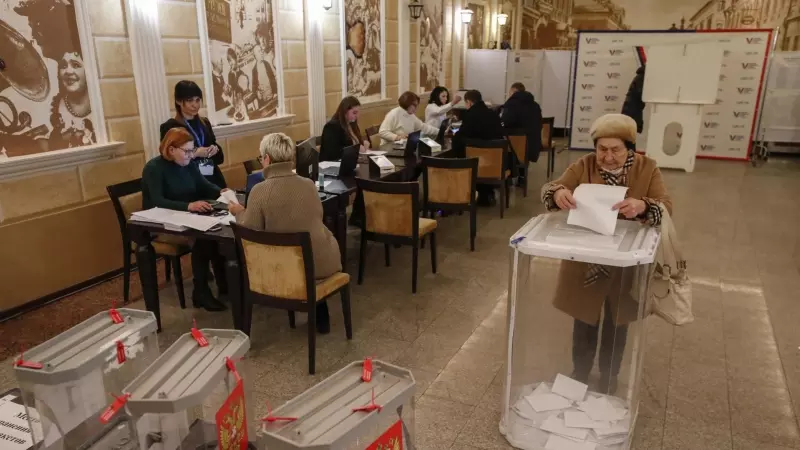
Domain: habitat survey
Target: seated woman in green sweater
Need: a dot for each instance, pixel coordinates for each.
(173, 181)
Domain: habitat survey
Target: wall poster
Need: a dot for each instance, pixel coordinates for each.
(431, 45)
(45, 103)
(242, 50)
(362, 49)
(607, 62)
(475, 29)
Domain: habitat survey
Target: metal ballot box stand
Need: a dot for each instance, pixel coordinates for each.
(346, 412)
(577, 300)
(66, 381)
(193, 396)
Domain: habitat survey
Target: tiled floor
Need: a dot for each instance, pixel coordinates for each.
(730, 380)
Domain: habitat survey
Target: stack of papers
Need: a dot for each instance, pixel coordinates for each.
(228, 197)
(375, 152)
(176, 220)
(565, 415)
(326, 164)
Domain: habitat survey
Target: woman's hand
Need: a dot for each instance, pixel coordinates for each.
(235, 208)
(400, 137)
(630, 207)
(456, 99)
(202, 152)
(200, 207)
(212, 150)
(366, 144)
(564, 199)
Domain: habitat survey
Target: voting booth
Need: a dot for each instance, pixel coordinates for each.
(66, 381)
(195, 396)
(575, 334)
(366, 405)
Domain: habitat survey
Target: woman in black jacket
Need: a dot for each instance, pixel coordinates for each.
(188, 101)
(342, 131)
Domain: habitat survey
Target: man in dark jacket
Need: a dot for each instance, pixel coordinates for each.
(634, 106)
(521, 112)
(479, 122)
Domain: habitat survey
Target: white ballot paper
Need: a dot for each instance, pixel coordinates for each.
(559, 443)
(228, 197)
(579, 419)
(569, 388)
(555, 425)
(594, 203)
(541, 399)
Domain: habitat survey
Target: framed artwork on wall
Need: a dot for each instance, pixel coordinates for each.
(475, 30)
(241, 59)
(431, 45)
(363, 58)
(49, 87)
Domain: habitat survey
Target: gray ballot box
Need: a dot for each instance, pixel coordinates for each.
(66, 381)
(344, 412)
(576, 309)
(182, 399)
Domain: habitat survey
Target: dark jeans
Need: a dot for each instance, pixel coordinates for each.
(206, 252)
(612, 345)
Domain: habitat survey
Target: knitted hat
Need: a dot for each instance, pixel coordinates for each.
(614, 126)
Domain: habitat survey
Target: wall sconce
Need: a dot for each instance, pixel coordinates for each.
(327, 4)
(415, 9)
(466, 16)
(502, 19)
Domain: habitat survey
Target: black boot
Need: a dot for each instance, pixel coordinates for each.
(203, 298)
(323, 318)
(608, 384)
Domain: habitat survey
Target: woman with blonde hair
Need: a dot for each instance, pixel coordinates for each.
(288, 203)
(172, 180)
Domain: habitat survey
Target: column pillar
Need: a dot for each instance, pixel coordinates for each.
(315, 62)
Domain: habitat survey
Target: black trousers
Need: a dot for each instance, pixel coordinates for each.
(612, 345)
(205, 253)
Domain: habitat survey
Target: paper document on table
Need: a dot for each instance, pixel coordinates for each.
(326, 164)
(594, 207)
(228, 197)
(376, 152)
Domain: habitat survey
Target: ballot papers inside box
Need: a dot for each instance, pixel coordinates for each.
(576, 321)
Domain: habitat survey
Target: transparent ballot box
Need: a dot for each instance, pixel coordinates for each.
(193, 397)
(575, 334)
(366, 405)
(66, 381)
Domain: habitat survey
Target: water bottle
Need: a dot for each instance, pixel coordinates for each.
(321, 180)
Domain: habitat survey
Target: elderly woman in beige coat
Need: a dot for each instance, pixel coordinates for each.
(287, 203)
(584, 291)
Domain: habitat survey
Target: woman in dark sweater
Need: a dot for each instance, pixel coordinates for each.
(173, 181)
(342, 131)
(188, 101)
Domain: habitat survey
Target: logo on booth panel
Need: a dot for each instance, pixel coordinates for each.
(587, 108)
(719, 101)
(616, 52)
(591, 52)
(712, 113)
(706, 147)
(747, 78)
(610, 110)
(589, 63)
(745, 90)
(587, 97)
(739, 126)
(709, 136)
(743, 102)
(587, 86)
(754, 40)
(736, 137)
(710, 124)
(741, 114)
(583, 129)
(751, 53)
(726, 53)
(614, 87)
(615, 64)
(749, 66)
(612, 75)
(611, 98)
(723, 77)
(588, 75)
(591, 40)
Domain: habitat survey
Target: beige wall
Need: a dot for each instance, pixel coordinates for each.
(59, 229)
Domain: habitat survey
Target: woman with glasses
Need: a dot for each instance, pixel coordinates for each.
(173, 180)
(209, 156)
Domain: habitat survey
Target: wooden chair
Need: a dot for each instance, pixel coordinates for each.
(518, 140)
(373, 137)
(391, 216)
(493, 156)
(278, 272)
(127, 198)
(308, 159)
(450, 185)
(548, 123)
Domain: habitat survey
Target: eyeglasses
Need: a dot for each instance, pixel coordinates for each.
(187, 152)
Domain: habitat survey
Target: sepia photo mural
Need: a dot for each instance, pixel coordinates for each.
(431, 45)
(44, 97)
(475, 27)
(241, 37)
(362, 49)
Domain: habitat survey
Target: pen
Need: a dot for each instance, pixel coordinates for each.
(517, 240)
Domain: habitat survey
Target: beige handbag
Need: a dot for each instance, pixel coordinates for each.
(671, 289)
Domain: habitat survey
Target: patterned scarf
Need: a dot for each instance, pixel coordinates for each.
(596, 271)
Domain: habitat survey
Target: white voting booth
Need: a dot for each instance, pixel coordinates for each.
(559, 323)
(676, 97)
(545, 73)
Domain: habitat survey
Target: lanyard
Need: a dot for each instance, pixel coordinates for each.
(199, 139)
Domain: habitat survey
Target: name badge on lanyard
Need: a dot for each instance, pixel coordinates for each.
(206, 166)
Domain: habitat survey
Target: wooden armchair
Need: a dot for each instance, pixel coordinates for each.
(493, 165)
(450, 185)
(548, 123)
(518, 140)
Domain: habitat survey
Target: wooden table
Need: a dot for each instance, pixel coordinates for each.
(335, 216)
